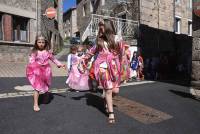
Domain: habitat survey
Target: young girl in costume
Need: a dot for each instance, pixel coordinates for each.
(107, 65)
(73, 51)
(78, 76)
(38, 70)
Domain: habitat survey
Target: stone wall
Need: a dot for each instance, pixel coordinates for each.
(157, 36)
(29, 5)
(160, 14)
(70, 22)
(25, 8)
(130, 9)
(183, 11)
(13, 53)
(52, 29)
(196, 52)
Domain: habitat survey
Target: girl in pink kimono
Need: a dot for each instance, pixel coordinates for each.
(107, 65)
(38, 70)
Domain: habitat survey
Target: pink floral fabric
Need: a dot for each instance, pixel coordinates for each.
(78, 77)
(106, 67)
(38, 70)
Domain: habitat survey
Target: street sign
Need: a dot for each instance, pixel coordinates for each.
(196, 7)
(50, 13)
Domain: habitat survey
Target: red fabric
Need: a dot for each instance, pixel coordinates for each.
(91, 72)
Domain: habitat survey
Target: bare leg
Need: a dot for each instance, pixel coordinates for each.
(115, 90)
(108, 95)
(35, 105)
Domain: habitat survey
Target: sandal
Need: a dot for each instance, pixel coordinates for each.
(111, 120)
(36, 108)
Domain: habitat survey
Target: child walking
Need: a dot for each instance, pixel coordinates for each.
(125, 61)
(73, 51)
(38, 70)
(78, 76)
(134, 66)
(107, 65)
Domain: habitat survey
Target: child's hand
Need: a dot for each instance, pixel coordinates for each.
(64, 66)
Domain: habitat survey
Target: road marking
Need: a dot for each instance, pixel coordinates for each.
(140, 112)
(136, 83)
(28, 93)
(27, 90)
(24, 88)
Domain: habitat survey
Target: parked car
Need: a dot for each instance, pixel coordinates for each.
(75, 40)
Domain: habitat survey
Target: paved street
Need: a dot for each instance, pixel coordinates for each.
(80, 113)
(144, 107)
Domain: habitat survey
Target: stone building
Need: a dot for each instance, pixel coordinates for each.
(20, 21)
(90, 12)
(166, 26)
(70, 23)
(166, 31)
(87, 7)
(195, 75)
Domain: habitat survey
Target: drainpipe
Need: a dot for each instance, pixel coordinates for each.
(36, 16)
(139, 4)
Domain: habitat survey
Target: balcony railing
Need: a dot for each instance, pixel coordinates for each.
(124, 27)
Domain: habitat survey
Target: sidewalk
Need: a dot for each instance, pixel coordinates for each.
(10, 69)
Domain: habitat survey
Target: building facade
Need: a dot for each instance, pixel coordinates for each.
(87, 7)
(20, 22)
(70, 23)
(170, 22)
(166, 31)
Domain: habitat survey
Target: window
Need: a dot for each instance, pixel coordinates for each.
(1, 27)
(20, 29)
(177, 1)
(102, 2)
(177, 25)
(190, 28)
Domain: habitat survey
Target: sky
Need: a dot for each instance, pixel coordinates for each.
(68, 4)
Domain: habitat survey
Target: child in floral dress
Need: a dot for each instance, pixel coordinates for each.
(38, 70)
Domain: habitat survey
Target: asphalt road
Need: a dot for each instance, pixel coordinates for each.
(83, 112)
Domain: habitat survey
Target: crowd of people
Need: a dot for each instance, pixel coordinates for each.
(105, 65)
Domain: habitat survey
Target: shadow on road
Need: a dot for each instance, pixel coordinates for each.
(185, 95)
(94, 101)
(48, 97)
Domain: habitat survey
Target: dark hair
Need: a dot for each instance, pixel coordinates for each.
(100, 32)
(73, 49)
(46, 47)
(101, 23)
